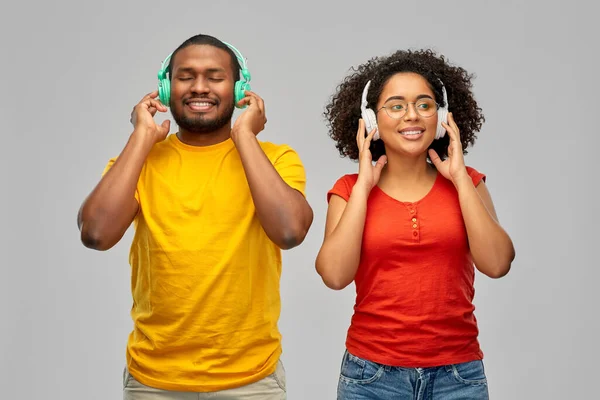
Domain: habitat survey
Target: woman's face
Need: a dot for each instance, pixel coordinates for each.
(408, 121)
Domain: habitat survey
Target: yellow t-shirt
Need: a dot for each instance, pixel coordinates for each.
(204, 274)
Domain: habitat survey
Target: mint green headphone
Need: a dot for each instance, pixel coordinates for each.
(164, 84)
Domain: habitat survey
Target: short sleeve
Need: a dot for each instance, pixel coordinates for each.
(342, 187)
(108, 166)
(289, 166)
(476, 176)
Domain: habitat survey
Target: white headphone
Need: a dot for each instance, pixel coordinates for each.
(370, 119)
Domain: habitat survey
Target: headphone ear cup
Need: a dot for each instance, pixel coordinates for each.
(370, 122)
(442, 117)
(239, 91)
(164, 91)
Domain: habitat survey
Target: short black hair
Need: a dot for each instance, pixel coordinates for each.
(202, 39)
(343, 111)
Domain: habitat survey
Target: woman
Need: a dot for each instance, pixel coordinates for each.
(409, 230)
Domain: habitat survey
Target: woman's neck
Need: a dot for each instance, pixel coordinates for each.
(402, 170)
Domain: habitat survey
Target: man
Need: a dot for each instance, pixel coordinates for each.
(212, 206)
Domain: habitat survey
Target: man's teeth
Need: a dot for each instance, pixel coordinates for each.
(411, 132)
(198, 104)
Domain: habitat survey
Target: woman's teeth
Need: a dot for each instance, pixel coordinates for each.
(408, 133)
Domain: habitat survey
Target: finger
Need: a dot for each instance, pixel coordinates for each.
(435, 158)
(253, 94)
(158, 105)
(379, 167)
(151, 103)
(151, 95)
(244, 102)
(259, 100)
(452, 123)
(381, 162)
(255, 99)
(451, 132)
(369, 138)
(455, 143)
(152, 109)
(360, 134)
(166, 125)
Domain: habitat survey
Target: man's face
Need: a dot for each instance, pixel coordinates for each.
(202, 88)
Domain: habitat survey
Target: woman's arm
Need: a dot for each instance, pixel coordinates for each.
(339, 256)
(491, 247)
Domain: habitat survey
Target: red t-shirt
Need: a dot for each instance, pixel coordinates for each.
(414, 283)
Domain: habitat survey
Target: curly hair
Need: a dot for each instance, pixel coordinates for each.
(343, 111)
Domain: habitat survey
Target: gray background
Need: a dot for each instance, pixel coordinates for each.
(72, 71)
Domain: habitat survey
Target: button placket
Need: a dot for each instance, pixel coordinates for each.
(414, 221)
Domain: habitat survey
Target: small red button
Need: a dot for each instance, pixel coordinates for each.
(415, 233)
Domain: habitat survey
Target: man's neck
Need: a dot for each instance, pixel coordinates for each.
(204, 139)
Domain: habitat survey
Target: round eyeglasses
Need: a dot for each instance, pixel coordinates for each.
(396, 109)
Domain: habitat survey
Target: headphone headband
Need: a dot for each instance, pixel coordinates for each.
(162, 73)
(240, 86)
(370, 118)
(238, 55)
(444, 95)
(363, 102)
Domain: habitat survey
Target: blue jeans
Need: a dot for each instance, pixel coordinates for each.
(365, 380)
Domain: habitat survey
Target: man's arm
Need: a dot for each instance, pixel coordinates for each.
(283, 211)
(108, 211)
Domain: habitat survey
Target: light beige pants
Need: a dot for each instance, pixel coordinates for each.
(270, 388)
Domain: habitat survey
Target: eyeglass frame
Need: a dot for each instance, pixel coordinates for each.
(437, 107)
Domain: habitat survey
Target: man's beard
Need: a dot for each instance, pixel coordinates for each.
(200, 124)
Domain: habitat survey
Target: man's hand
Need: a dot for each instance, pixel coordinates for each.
(142, 118)
(253, 119)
